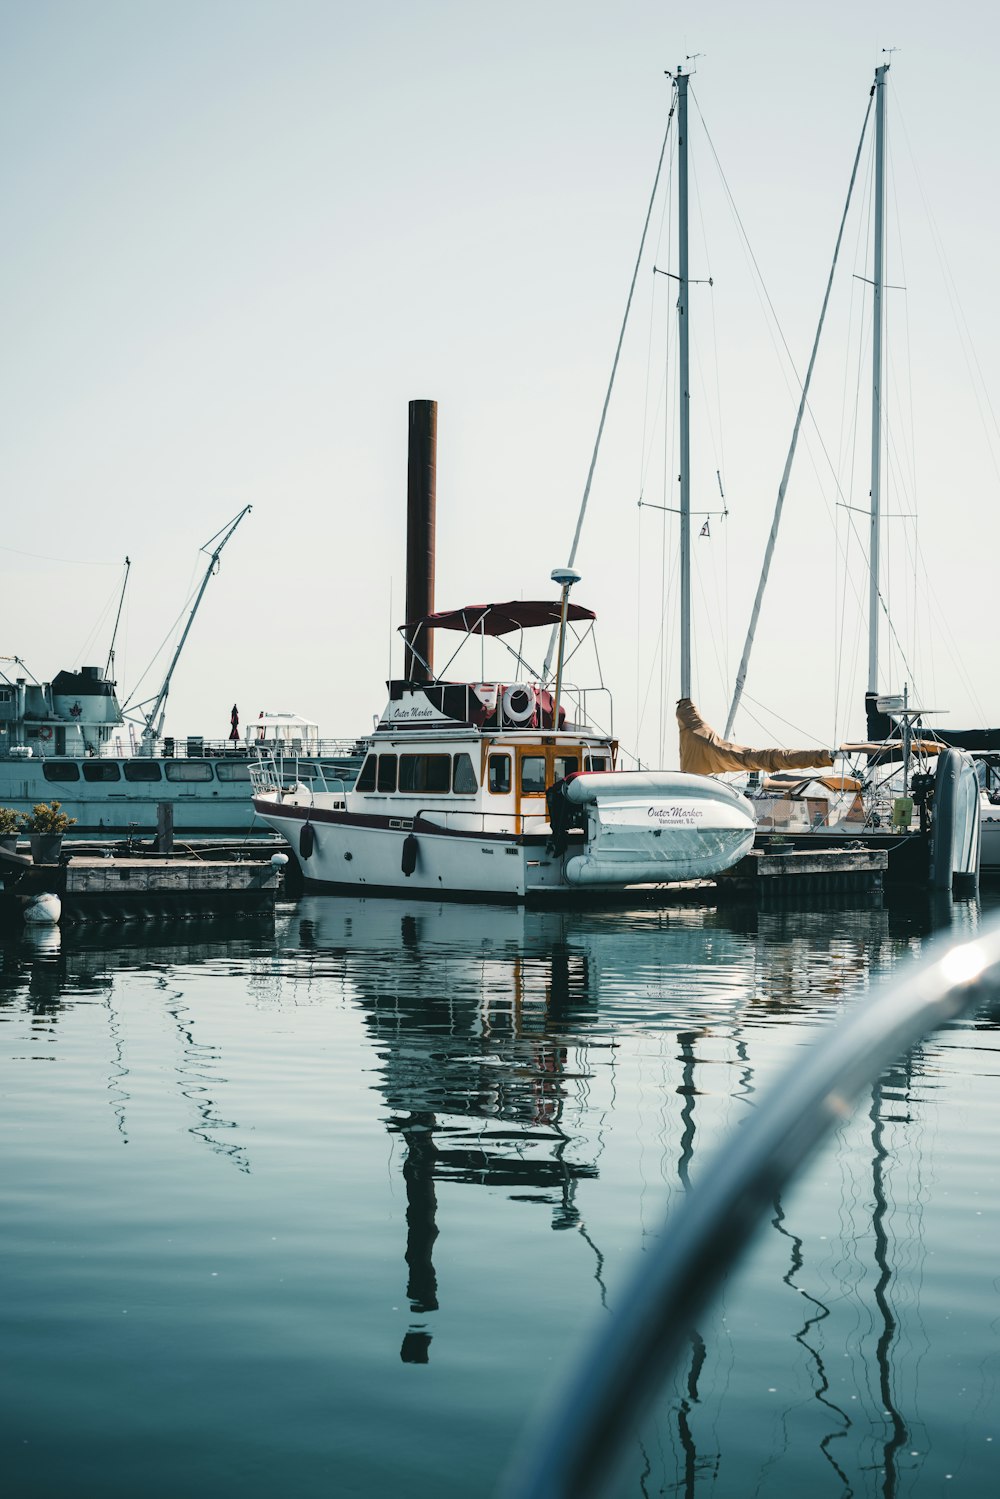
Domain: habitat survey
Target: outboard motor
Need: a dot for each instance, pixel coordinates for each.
(563, 815)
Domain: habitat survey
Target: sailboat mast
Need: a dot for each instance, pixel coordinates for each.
(878, 278)
(683, 324)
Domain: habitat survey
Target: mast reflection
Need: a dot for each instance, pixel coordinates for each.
(477, 1032)
(802, 1336)
(693, 1465)
(887, 1336)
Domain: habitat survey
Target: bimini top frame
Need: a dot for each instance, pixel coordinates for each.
(494, 620)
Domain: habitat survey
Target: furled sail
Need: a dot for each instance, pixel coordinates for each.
(704, 753)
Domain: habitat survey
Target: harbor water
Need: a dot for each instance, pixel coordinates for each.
(332, 1205)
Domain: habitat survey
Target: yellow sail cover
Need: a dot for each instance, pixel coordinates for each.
(704, 753)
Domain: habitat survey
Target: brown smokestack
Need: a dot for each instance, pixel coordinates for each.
(421, 505)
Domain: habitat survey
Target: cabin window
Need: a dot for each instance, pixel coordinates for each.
(429, 773)
(60, 770)
(533, 775)
(597, 762)
(232, 770)
(189, 770)
(6, 695)
(142, 770)
(366, 780)
(387, 772)
(499, 775)
(565, 765)
(464, 776)
(101, 770)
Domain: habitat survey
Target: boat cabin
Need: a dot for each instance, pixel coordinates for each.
(73, 715)
(481, 753)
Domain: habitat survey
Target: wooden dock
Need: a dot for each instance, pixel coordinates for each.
(122, 887)
(135, 888)
(774, 876)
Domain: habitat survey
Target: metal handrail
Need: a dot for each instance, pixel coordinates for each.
(578, 1450)
(277, 772)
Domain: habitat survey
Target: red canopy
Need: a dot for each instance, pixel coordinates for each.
(500, 619)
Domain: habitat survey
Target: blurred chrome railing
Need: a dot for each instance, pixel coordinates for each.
(578, 1449)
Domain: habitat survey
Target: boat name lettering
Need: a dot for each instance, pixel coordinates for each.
(414, 713)
(675, 813)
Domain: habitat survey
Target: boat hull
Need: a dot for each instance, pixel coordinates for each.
(119, 806)
(639, 830)
(343, 850)
(956, 826)
(208, 795)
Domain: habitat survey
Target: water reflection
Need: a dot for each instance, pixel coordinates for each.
(490, 1024)
(812, 1345)
(472, 1015)
(492, 1030)
(577, 1068)
(48, 970)
(889, 1328)
(57, 964)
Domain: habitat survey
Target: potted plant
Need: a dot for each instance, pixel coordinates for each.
(10, 825)
(45, 827)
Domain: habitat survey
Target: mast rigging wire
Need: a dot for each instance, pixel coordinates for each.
(783, 486)
(614, 370)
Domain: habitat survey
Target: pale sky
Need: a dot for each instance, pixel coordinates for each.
(239, 237)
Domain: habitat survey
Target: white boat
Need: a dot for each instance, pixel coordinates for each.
(488, 789)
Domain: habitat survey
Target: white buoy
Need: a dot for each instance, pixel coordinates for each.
(278, 861)
(43, 910)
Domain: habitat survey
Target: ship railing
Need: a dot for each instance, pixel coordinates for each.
(272, 771)
(581, 1441)
(190, 747)
(574, 700)
(604, 705)
(307, 749)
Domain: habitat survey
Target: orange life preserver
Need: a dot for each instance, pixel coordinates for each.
(45, 733)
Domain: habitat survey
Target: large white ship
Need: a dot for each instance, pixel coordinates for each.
(69, 740)
(63, 740)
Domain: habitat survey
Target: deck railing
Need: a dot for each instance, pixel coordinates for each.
(272, 771)
(193, 747)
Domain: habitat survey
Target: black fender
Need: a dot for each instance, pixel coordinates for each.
(411, 849)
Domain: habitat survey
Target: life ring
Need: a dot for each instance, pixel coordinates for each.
(45, 733)
(519, 702)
